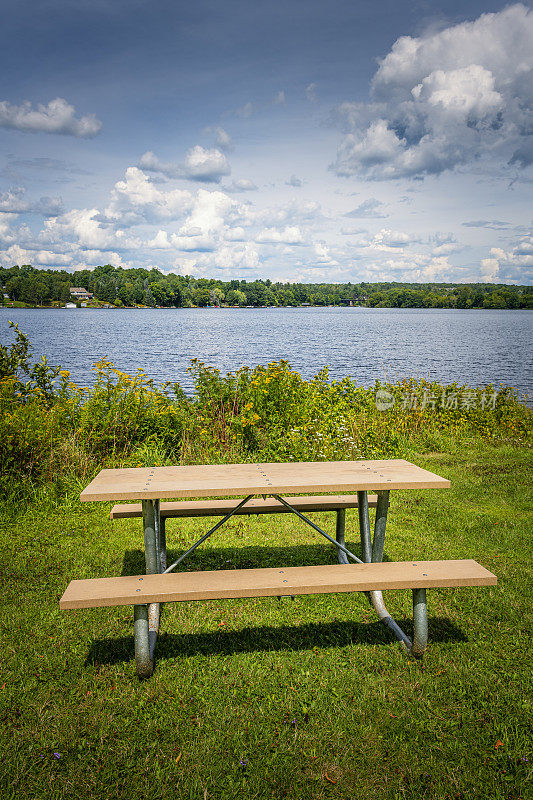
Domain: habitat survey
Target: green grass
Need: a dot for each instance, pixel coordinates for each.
(268, 699)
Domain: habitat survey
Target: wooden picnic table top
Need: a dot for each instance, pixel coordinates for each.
(217, 480)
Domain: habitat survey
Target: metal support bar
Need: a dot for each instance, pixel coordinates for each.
(146, 617)
(420, 619)
(151, 516)
(162, 544)
(338, 545)
(143, 658)
(374, 552)
(364, 526)
(208, 534)
(339, 534)
(378, 544)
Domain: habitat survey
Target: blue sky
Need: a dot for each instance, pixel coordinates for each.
(306, 141)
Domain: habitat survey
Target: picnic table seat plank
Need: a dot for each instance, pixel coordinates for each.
(216, 480)
(219, 508)
(226, 584)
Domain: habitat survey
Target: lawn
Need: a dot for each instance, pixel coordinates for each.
(266, 698)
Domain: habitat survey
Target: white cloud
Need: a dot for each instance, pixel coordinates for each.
(323, 255)
(445, 99)
(444, 244)
(206, 165)
(227, 261)
(74, 258)
(149, 162)
(288, 235)
(279, 99)
(387, 239)
(201, 164)
(209, 223)
(56, 117)
(242, 185)
(14, 201)
(510, 266)
(7, 234)
(235, 234)
(135, 200)
(82, 227)
(368, 209)
(295, 212)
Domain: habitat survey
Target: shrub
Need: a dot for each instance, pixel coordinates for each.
(52, 430)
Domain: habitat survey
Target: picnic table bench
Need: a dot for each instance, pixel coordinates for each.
(369, 574)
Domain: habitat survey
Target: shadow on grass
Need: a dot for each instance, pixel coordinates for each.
(267, 638)
(251, 557)
(263, 638)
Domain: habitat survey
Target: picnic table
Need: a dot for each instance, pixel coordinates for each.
(278, 482)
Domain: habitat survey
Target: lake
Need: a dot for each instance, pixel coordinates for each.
(472, 347)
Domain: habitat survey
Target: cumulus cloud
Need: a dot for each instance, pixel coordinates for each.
(135, 199)
(387, 238)
(323, 255)
(369, 209)
(207, 226)
(443, 100)
(444, 244)
(149, 162)
(14, 201)
(82, 226)
(15, 254)
(510, 266)
(201, 164)
(206, 165)
(56, 117)
(228, 260)
(279, 99)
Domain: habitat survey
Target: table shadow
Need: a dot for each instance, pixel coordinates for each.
(265, 638)
(320, 635)
(247, 557)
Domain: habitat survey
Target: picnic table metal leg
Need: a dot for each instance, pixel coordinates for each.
(146, 617)
(143, 660)
(339, 535)
(420, 619)
(374, 552)
(162, 544)
(364, 526)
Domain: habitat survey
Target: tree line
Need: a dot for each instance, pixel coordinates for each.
(119, 286)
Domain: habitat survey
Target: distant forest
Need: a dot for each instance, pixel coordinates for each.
(142, 287)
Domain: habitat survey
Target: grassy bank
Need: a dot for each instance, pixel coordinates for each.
(261, 698)
(272, 699)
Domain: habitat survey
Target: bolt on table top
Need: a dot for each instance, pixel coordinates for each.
(217, 480)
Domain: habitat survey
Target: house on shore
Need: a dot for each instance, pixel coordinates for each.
(79, 293)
